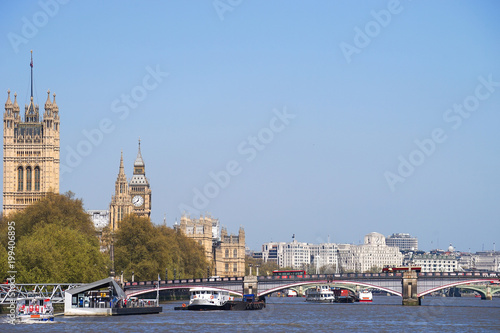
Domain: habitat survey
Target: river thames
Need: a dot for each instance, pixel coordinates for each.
(436, 314)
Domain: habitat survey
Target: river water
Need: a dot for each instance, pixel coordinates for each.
(436, 314)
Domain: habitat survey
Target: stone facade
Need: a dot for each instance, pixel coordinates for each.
(229, 254)
(436, 263)
(30, 152)
(225, 253)
(133, 197)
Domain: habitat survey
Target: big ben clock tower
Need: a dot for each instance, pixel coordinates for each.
(140, 192)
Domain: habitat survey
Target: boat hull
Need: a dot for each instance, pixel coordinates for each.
(231, 305)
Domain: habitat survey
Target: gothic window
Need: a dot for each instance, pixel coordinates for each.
(235, 267)
(28, 179)
(235, 253)
(20, 176)
(37, 178)
(227, 267)
(227, 253)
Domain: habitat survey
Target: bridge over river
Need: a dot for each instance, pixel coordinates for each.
(411, 286)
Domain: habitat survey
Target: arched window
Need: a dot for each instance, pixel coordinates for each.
(20, 177)
(37, 178)
(28, 178)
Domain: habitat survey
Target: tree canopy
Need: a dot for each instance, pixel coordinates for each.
(147, 250)
(55, 243)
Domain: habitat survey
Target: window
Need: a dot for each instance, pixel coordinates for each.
(37, 179)
(227, 253)
(235, 253)
(20, 175)
(235, 268)
(227, 267)
(28, 179)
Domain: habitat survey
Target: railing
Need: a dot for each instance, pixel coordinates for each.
(319, 277)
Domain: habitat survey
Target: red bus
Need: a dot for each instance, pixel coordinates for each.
(289, 273)
(401, 269)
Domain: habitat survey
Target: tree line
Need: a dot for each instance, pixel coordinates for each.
(56, 242)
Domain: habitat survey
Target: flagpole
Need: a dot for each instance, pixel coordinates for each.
(31, 65)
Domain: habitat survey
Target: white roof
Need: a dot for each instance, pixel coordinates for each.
(205, 289)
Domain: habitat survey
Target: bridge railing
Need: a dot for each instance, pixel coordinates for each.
(318, 277)
(182, 281)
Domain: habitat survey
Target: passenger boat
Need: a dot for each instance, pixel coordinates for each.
(34, 309)
(321, 294)
(206, 299)
(365, 296)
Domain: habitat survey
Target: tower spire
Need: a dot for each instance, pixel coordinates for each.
(31, 65)
(122, 169)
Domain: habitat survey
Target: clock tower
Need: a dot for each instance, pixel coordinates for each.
(140, 192)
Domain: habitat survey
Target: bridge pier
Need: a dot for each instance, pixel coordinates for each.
(409, 289)
(250, 285)
(487, 296)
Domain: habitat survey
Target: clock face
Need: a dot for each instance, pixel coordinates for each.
(137, 201)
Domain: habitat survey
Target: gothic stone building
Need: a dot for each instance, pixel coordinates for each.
(225, 253)
(30, 152)
(130, 197)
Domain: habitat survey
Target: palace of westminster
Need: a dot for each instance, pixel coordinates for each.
(31, 148)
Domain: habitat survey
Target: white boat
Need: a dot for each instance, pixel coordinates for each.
(34, 309)
(291, 293)
(365, 296)
(322, 294)
(216, 299)
(207, 298)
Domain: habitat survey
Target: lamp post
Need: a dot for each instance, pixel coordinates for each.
(133, 276)
(166, 274)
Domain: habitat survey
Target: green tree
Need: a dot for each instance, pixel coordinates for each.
(148, 250)
(55, 242)
(54, 253)
(62, 210)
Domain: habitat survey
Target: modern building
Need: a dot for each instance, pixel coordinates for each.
(130, 197)
(404, 242)
(436, 263)
(30, 152)
(373, 254)
(225, 253)
(300, 255)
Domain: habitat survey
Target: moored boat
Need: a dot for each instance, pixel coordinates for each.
(34, 309)
(321, 294)
(206, 299)
(365, 296)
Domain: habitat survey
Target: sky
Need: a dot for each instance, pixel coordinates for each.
(324, 119)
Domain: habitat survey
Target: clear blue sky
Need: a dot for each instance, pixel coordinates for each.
(361, 86)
